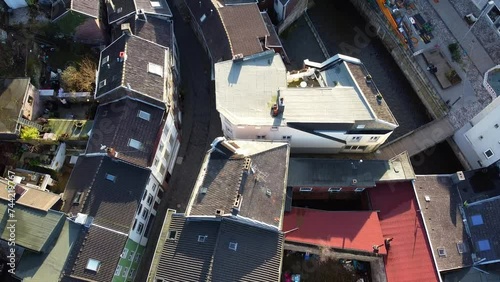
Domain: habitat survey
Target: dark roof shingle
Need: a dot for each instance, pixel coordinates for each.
(245, 28)
(118, 9)
(160, 7)
(112, 204)
(117, 123)
(88, 7)
(160, 31)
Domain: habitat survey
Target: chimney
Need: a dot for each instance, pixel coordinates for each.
(219, 212)
(387, 243)
(126, 28)
(247, 165)
(238, 57)
(281, 105)
(458, 177)
(112, 152)
(141, 15)
(275, 110)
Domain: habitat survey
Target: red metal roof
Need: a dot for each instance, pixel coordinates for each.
(409, 257)
(354, 230)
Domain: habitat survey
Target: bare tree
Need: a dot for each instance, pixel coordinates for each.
(81, 77)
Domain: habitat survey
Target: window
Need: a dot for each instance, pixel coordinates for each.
(356, 138)
(124, 253)
(137, 258)
(374, 138)
(154, 187)
(134, 144)
(105, 60)
(484, 245)
(131, 256)
(172, 234)
(145, 213)
(287, 137)
(93, 265)
(144, 194)
(155, 4)
(461, 247)
(362, 148)
(171, 139)
(102, 83)
(119, 10)
(144, 115)
(488, 153)
(233, 246)
(162, 169)
(118, 270)
(476, 219)
(150, 199)
(125, 270)
(155, 69)
(140, 227)
(155, 163)
(332, 189)
(77, 198)
(202, 238)
(306, 189)
(110, 177)
(359, 189)
(161, 147)
(140, 209)
(131, 273)
(274, 128)
(261, 136)
(135, 223)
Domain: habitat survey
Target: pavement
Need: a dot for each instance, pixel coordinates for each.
(200, 125)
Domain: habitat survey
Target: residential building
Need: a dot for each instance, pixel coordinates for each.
(19, 105)
(138, 133)
(120, 10)
(116, 202)
(14, 4)
(81, 20)
(232, 29)
(479, 139)
(30, 179)
(460, 211)
(330, 107)
(231, 229)
(135, 67)
(29, 197)
(287, 11)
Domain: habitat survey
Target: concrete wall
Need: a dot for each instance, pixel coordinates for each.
(297, 8)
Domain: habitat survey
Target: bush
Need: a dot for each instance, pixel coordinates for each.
(455, 52)
(29, 133)
(80, 77)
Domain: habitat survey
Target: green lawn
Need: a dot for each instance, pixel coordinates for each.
(67, 126)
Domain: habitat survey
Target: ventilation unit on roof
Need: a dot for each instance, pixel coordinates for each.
(461, 248)
(354, 181)
(219, 212)
(442, 252)
(203, 190)
(427, 198)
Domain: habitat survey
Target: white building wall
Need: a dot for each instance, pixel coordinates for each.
(167, 150)
(303, 142)
(480, 135)
(149, 197)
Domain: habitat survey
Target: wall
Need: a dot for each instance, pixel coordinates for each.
(300, 6)
(303, 142)
(167, 150)
(150, 192)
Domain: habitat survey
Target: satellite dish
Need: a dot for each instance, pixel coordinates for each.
(103, 147)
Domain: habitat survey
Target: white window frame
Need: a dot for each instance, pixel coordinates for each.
(486, 155)
(359, 189)
(118, 270)
(93, 265)
(105, 60)
(150, 199)
(110, 177)
(157, 4)
(156, 162)
(125, 272)
(169, 235)
(334, 189)
(356, 138)
(305, 189)
(233, 246)
(202, 238)
(140, 228)
(134, 143)
(124, 253)
(374, 138)
(144, 213)
(155, 69)
(144, 115)
(102, 83)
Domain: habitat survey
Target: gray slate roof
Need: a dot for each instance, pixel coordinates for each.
(89, 7)
(129, 7)
(112, 204)
(261, 192)
(160, 31)
(118, 122)
(132, 73)
(257, 257)
(313, 172)
(162, 8)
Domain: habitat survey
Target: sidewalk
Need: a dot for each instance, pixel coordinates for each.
(459, 28)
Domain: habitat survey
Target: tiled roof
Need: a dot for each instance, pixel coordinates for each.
(117, 123)
(257, 256)
(36, 230)
(118, 9)
(409, 258)
(351, 230)
(273, 38)
(133, 72)
(212, 29)
(112, 204)
(443, 219)
(160, 31)
(308, 172)
(88, 7)
(160, 7)
(260, 190)
(102, 245)
(12, 94)
(245, 28)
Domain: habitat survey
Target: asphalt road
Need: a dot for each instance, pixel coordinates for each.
(200, 125)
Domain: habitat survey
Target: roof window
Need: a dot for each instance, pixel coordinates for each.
(93, 265)
(155, 69)
(441, 252)
(202, 238)
(484, 245)
(134, 144)
(102, 83)
(110, 177)
(233, 246)
(488, 153)
(155, 4)
(105, 60)
(476, 219)
(144, 115)
(172, 235)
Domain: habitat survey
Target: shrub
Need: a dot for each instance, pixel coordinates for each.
(29, 133)
(455, 52)
(79, 77)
